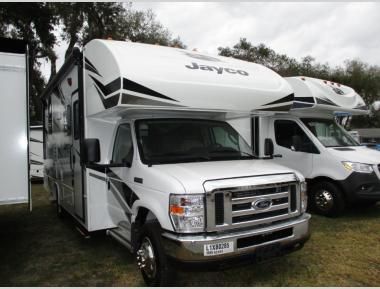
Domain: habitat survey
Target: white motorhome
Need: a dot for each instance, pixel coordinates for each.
(14, 152)
(36, 152)
(137, 144)
(339, 171)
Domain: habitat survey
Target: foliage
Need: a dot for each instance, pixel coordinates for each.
(364, 78)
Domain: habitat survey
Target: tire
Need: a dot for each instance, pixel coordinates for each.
(158, 271)
(326, 199)
(58, 207)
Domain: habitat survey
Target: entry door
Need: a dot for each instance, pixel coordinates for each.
(75, 158)
(292, 147)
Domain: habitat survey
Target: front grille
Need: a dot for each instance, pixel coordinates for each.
(251, 205)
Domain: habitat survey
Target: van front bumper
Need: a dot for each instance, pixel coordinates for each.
(360, 186)
(270, 241)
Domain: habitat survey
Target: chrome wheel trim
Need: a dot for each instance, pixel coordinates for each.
(324, 200)
(146, 259)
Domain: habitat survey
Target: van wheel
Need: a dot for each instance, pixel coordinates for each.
(151, 259)
(327, 199)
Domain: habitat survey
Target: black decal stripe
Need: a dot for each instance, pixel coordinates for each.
(301, 105)
(109, 101)
(99, 169)
(127, 193)
(98, 177)
(278, 108)
(75, 91)
(287, 98)
(133, 86)
(91, 67)
(109, 88)
(325, 101)
(37, 163)
(137, 100)
(119, 198)
(305, 99)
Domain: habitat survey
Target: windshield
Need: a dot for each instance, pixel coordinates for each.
(329, 133)
(188, 140)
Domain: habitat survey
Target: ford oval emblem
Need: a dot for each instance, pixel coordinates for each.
(262, 204)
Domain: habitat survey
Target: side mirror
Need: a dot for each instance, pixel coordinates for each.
(92, 150)
(268, 147)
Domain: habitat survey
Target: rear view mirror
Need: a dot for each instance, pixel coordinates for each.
(268, 147)
(92, 150)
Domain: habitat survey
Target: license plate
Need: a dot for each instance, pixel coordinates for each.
(218, 248)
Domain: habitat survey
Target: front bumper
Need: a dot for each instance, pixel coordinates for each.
(359, 186)
(289, 233)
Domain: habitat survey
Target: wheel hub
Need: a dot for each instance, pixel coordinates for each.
(324, 200)
(146, 261)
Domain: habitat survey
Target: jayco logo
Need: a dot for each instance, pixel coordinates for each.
(219, 70)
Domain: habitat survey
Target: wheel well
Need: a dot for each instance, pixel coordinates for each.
(312, 182)
(143, 215)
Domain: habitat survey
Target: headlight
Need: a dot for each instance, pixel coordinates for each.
(187, 213)
(303, 189)
(358, 167)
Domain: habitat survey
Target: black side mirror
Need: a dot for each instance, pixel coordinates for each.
(268, 147)
(92, 150)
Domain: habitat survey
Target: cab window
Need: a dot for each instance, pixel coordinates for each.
(123, 148)
(290, 135)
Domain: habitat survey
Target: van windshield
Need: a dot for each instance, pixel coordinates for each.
(164, 141)
(329, 133)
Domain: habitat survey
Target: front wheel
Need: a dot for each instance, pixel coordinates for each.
(151, 259)
(326, 199)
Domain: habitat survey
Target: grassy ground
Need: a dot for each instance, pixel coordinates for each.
(38, 249)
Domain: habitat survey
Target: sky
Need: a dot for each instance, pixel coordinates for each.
(330, 32)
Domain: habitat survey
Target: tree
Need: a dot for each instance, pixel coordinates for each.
(85, 21)
(34, 23)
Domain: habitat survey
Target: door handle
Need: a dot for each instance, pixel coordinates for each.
(277, 156)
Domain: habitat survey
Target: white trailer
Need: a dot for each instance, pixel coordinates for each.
(14, 151)
(339, 171)
(137, 144)
(36, 153)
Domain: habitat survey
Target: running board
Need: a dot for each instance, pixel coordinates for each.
(120, 236)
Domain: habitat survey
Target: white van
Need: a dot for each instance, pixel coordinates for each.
(339, 171)
(137, 144)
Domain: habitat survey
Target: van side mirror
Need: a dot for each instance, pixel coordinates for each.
(268, 147)
(92, 150)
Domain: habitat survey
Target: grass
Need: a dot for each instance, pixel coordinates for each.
(39, 249)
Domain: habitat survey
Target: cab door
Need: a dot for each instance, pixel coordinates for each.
(292, 146)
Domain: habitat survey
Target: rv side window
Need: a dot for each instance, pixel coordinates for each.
(123, 148)
(76, 120)
(290, 135)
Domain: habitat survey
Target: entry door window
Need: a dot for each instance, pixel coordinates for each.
(123, 148)
(290, 135)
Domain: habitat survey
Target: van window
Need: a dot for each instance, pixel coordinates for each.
(329, 133)
(123, 148)
(290, 135)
